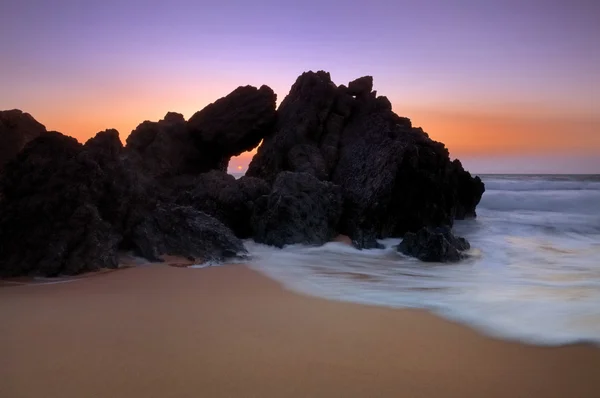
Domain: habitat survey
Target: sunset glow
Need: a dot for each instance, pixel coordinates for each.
(505, 80)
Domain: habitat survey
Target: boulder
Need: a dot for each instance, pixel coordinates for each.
(16, 130)
(185, 231)
(434, 245)
(220, 195)
(299, 209)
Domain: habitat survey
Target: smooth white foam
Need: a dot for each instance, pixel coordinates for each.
(534, 276)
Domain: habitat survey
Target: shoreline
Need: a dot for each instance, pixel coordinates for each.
(128, 262)
(156, 330)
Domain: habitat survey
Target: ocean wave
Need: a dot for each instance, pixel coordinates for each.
(577, 202)
(532, 276)
(541, 185)
(531, 305)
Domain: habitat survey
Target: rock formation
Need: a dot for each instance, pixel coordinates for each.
(229, 126)
(393, 177)
(299, 209)
(66, 208)
(16, 130)
(47, 225)
(333, 159)
(233, 125)
(184, 231)
(434, 245)
(163, 149)
(220, 195)
(301, 121)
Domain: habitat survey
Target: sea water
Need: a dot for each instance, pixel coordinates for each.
(533, 274)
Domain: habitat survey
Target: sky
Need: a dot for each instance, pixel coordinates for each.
(509, 86)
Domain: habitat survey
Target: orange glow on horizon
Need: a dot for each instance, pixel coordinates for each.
(464, 133)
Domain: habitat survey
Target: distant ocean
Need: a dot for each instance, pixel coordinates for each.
(534, 274)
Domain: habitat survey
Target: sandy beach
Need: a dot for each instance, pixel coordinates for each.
(159, 331)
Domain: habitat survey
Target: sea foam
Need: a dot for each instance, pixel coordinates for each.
(533, 274)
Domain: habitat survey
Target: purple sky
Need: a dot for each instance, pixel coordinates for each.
(80, 66)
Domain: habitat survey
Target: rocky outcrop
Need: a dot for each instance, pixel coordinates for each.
(220, 195)
(121, 192)
(393, 177)
(333, 159)
(16, 130)
(233, 125)
(164, 149)
(301, 122)
(361, 86)
(48, 225)
(434, 245)
(229, 126)
(184, 231)
(299, 209)
(66, 208)
(469, 191)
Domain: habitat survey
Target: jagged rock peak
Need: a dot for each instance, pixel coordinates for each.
(173, 117)
(361, 86)
(17, 128)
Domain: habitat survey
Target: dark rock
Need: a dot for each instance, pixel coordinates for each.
(229, 126)
(394, 177)
(232, 125)
(87, 243)
(185, 231)
(249, 189)
(16, 130)
(66, 208)
(34, 167)
(361, 86)
(49, 224)
(299, 209)
(122, 194)
(164, 149)
(301, 121)
(434, 245)
(174, 117)
(338, 158)
(220, 195)
(305, 158)
(80, 242)
(106, 145)
(469, 191)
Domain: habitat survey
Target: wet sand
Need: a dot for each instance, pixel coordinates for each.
(160, 331)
